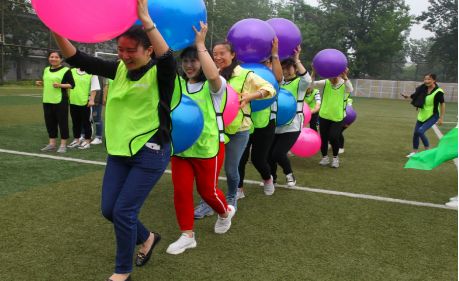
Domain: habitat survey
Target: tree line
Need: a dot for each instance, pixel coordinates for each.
(374, 34)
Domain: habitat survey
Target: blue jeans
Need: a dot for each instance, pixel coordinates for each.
(233, 153)
(421, 128)
(127, 183)
(97, 119)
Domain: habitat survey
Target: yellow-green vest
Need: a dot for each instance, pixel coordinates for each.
(51, 94)
(80, 93)
(237, 82)
(427, 110)
(333, 105)
(131, 114)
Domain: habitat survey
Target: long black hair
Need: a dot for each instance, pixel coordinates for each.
(192, 53)
(227, 72)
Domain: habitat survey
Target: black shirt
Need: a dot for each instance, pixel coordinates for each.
(166, 74)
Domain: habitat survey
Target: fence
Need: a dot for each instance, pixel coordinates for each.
(387, 89)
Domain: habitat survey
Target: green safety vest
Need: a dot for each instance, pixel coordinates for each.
(310, 99)
(428, 109)
(131, 114)
(294, 87)
(333, 105)
(348, 99)
(208, 144)
(79, 95)
(237, 82)
(51, 94)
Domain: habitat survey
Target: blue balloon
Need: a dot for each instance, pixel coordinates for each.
(265, 73)
(175, 20)
(187, 124)
(286, 107)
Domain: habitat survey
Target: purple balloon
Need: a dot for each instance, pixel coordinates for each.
(289, 36)
(252, 40)
(351, 115)
(330, 63)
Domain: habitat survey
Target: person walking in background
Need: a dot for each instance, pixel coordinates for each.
(297, 80)
(57, 79)
(81, 101)
(260, 141)
(96, 112)
(332, 113)
(430, 101)
(137, 131)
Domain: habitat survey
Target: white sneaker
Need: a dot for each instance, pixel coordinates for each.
(268, 187)
(325, 161)
(84, 145)
(453, 199)
(96, 141)
(49, 147)
(74, 143)
(291, 181)
(240, 193)
(335, 162)
(183, 243)
(411, 154)
(341, 151)
(62, 149)
(222, 225)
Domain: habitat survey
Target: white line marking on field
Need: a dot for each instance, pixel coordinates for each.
(307, 189)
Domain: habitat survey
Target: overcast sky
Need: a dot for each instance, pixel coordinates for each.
(417, 7)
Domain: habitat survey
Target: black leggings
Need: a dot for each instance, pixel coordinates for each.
(81, 121)
(278, 153)
(57, 116)
(341, 138)
(259, 143)
(313, 122)
(330, 131)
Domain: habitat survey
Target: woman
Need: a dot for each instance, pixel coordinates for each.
(332, 113)
(249, 86)
(313, 100)
(81, 100)
(57, 79)
(431, 113)
(137, 131)
(287, 134)
(264, 125)
(203, 160)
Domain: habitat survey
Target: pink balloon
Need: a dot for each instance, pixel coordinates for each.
(87, 21)
(307, 115)
(232, 105)
(307, 144)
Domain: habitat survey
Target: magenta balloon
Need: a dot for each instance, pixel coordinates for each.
(307, 114)
(330, 63)
(307, 144)
(232, 105)
(87, 21)
(289, 36)
(252, 40)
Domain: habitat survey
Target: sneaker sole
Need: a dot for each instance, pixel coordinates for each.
(191, 246)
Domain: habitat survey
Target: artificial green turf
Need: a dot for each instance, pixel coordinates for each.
(52, 228)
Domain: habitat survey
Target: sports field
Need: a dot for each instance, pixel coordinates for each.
(52, 229)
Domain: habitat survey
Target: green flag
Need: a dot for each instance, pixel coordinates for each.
(429, 159)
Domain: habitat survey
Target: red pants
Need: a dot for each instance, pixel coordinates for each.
(206, 172)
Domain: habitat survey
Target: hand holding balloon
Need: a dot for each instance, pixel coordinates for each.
(143, 14)
(200, 38)
(275, 47)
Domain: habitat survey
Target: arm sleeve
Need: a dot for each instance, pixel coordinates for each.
(318, 98)
(440, 98)
(93, 65)
(217, 97)
(68, 79)
(349, 87)
(255, 83)
(318, 84)
(95, 85)
(305, 81)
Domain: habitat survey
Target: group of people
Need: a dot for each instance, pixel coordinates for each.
(144, 91)
(72, 89)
